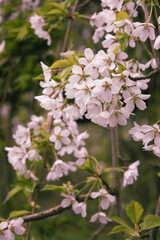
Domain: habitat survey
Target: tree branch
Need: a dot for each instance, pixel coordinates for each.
(151, 74)
(69, 27)
(49, 212)
(45, 214)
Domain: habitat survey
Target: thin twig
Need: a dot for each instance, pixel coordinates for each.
(50, 212)
(69, 27)
(151, 74)
(83, 4)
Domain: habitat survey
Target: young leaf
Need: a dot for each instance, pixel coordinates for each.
(88, 166)
(53, 188)
(121, 15)
(22, 33)
(61, 64)
(120, 228)
(120, 221)
(150, 221)
(13, 192)
(134, 211)
(14, 214)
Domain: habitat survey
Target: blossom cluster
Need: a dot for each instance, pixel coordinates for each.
(25, 151)
(102, 87)
(7, 229)
(37, 23)
(118, 20)
(149, 135)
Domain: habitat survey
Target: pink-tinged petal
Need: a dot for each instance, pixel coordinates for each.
(77, 70)
(104, 203)
(130, 105)
(65, 133)
(65, 202)
(111, 198)
(157, 140)
(83, 61)
(157, 43)
(83, 212)
(3, 225)
(52, 138)
(122, 120)
(89, 54)
(152, 34)
(19, 230)
(139, 135)
(57, 130)
(140, 104)
(65, 140)
(95, 194)
(58, 145)
(94, 217)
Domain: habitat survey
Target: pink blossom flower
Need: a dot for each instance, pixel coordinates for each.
(131, 174)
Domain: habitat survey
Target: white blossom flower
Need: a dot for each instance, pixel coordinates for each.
(106, 198)
(131, 174)
(80, 208)
(58, 170)
(101, 216)
(37, 23)
(60, 137)
(157, 43)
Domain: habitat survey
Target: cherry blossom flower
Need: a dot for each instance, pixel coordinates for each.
(131, 174)
(69, 199)
(80, 208)
(101, 216)
(22, 136)
(58, 170)
(157, 43)
(60, 137)
(106, 198)
(144, 30)
(37, 23)
(16, 226)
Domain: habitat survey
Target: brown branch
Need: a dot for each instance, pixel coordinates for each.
(45, 214)
(50, 212)
(69, 27)
(151, 74)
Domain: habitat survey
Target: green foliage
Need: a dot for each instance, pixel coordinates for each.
(134, 211)
(150, 221)
(14, 214)
(13, 192)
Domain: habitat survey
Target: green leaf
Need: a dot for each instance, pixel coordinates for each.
(57, 5)
(121, 15)
(121, 228)
(120, 221)
(106, 170)
(151, 221)
(57, 12)
(61, 64)
(18, 213)
(134, 211)
(158, 174)
(116, 49)
(13, 192)
(53, 188)
(22, 33)
(66, 72)
(88, 166)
